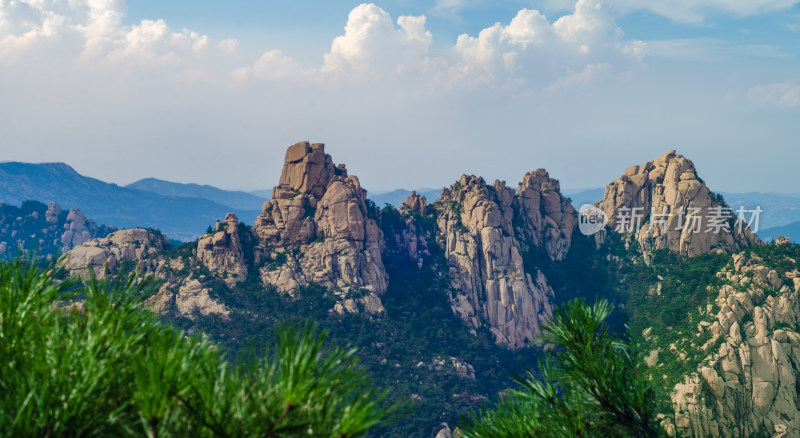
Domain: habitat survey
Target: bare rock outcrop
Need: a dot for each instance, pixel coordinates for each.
(184, 296)
(748, 383)
(221, 251)
(77, 229)
(414, 203)
(316, 227)
(668, 206)
(547, 218)
(132, 245)
(491, 286)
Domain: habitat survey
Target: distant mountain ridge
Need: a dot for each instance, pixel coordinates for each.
(396, 197)
(181, 218)
(235, 199)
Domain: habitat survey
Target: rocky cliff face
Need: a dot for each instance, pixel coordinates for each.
(221, 251)
(131, 245)
(547, 219)
(668, 206)
(316, 227)
(748, 382)
(490, 282)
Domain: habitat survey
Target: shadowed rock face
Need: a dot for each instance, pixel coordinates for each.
(486, 268)
(666, 191)
(320, 211)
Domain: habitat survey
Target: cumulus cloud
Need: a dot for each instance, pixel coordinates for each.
(784, 94)
(92, 30)
(529, 51)
(532, 49)
(372, 44)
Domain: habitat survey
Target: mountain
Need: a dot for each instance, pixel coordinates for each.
(792, 231)
(179, 217)
(262, 193)
(778, 208)
(444, 299)
(396, 197)
(585, 196)
(235, 199)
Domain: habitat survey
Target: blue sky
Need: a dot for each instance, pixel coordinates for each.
(406, 93)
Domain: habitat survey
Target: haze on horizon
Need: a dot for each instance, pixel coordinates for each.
(407, 94)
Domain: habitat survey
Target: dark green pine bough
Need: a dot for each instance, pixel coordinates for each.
(592, 385)
(109, 367)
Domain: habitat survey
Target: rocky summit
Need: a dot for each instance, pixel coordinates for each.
(667, 206)
(483, 246)
(318, 229)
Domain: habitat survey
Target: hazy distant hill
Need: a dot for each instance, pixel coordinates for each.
(396, 197)
(235, 199)
(792, 231)
(178, 217)
(584, 196)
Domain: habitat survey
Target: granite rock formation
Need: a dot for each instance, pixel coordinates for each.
(316, 228)
(748, 382)
(488, 276)
(132, 245)
(221, 251)
(668, 206)
(547, 218)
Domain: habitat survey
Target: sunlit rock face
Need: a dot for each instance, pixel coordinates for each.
(668, 206)
(747, 384)
(483, 247)
(317, 230)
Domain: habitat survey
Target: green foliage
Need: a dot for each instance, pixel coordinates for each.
(592, 385)
(109, 367)
(397, 347)
(585, 272)
(674, 313)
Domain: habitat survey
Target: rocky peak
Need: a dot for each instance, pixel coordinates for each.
(486, 268)
(307, 169)
(548, 219)
(221, 251)
(668, 206)
(76, 229)
(414, 203)
(316, 227)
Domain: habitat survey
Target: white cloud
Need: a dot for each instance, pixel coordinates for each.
(531, 49)
(273, 66)
(692, 11)
(93, 30)
(784, 94)
(583, 78)
(372, 45)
